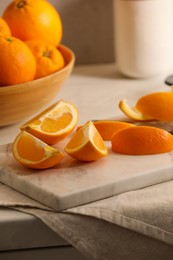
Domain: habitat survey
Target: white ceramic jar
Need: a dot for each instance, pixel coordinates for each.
(144, 37)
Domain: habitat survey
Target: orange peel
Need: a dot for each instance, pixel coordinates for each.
(133, 113)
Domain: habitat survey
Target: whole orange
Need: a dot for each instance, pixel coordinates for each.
(34, 19)
(17, 63)
(48, 58)
(4, 28)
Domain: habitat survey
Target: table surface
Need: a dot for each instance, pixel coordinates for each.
(97, 88)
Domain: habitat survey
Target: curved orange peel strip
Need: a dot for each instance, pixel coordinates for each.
(132, 112)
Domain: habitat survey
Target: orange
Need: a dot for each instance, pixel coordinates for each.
(154, 106)
(48, 58)
(142, 140)
(107, 128)
(4, 28)
(17, 63)
(33, 153)
(54, 123)
(86, 144)
(34, 19)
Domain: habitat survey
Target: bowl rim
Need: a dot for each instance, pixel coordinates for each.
(26, 85)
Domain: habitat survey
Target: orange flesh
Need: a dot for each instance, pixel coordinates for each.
(52, 125)
(77, 140)
(29, 150)
(98, 141)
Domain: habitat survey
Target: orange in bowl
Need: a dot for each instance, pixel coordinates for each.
(21, 101)
(48, 58)
(34, 19)
(4, 28)
(17, 63)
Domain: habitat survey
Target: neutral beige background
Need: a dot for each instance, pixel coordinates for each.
(88, 28)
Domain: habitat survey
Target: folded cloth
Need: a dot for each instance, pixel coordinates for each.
(93, 228)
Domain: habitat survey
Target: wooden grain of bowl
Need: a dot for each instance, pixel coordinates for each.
(20, 101)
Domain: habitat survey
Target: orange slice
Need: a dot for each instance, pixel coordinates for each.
(107, 128)
(133, 113)
(142, 140)
(34, 153)
(86, 144)
(54, 123)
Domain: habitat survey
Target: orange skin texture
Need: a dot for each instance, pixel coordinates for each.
(108, 128)
(4, 28)
(17, 63)
(142, 140)
(157, 105)
(48, 58)
(34, 19)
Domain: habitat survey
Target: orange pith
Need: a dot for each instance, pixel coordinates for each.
(48, 58)
(86, 144)
(17, 63)
(53, 124)
(34, 19)
(33, 153)
(142, 140)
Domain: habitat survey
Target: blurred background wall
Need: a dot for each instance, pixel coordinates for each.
(88, 28)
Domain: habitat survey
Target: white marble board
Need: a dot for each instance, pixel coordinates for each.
(73, 183)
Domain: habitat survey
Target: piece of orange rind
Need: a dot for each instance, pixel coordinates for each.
(133, 113)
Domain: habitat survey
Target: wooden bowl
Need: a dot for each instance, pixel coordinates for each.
(20, 101)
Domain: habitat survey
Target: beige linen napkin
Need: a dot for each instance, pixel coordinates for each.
(94, 228)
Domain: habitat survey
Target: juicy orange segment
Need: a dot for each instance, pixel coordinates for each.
(33, 153)
(107, 128)
(53, 124)
(86, 144)
(142, 140)
(133, 113)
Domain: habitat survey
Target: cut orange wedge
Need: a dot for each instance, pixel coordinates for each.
(34, 153)
(86, 144)
(133, 113)
(53, 124)
(107, 128)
